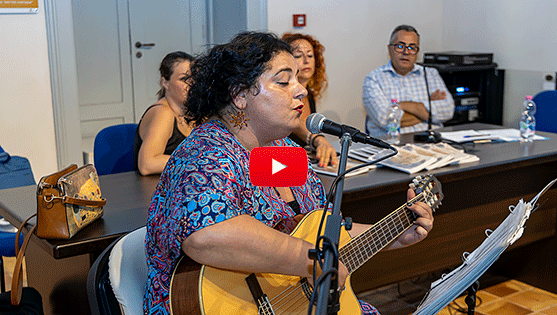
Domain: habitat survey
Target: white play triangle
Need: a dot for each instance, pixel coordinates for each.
(276, 167)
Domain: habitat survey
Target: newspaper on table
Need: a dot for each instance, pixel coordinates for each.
(333, 170)
(451, 285)
(363, 154)
(459, 156)
(413, 158)
(406, 160)
(441, 159)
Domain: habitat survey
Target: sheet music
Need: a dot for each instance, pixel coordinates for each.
(449, 287)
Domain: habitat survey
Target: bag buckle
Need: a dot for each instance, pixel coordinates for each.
(52, 198)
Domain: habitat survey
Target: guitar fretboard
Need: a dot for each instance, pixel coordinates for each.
(367, 244)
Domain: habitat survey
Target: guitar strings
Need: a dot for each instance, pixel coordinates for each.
(283, 303)
(364, 238)
(299, 303)
(352, 254)
(280, 300)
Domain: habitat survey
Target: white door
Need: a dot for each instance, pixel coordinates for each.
(103, 67)
(157, 28)
(116, 80)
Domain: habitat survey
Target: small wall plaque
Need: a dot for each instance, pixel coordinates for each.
(19, 6)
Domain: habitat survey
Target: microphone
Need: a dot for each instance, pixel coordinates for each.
(317, 123)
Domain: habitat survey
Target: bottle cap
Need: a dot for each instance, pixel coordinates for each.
(394, 100)
(529, 97)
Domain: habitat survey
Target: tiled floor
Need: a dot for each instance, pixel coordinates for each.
(497, 296)
(8, 270)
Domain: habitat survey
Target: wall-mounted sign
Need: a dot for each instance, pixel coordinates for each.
(19, 6)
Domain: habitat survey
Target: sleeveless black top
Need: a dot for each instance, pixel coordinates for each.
(175, 139)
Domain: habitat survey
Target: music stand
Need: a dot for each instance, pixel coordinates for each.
(451, 285)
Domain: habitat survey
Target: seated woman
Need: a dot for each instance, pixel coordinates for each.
(245, 95)
(162, 127)
(308, 52)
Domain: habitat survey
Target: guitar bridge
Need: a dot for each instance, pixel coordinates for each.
(261, 300)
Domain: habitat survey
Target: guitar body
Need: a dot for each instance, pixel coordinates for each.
(196, 289)
(226, 292)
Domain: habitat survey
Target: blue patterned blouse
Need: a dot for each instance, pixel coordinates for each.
(206, 181)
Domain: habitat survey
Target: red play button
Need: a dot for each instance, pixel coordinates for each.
(278, 166)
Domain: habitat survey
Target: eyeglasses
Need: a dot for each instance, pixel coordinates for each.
(399, 48)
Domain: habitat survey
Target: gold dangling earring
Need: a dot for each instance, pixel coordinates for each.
(239, 120)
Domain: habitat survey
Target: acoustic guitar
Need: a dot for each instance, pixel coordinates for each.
(196, 289)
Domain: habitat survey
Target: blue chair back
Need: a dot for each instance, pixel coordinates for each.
(113, 149)
(546, 111)
(15, 171)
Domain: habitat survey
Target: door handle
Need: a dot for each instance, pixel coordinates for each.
(140, 45)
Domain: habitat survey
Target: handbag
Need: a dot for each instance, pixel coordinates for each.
(67, 201)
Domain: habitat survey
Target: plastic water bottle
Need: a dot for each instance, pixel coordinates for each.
(528, 121)
(393, 122)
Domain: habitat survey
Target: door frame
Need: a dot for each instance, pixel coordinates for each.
(63, 66)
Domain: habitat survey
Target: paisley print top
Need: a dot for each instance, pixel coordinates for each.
(206, 181)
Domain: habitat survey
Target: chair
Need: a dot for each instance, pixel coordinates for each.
(116, 281)
(546, 111)
(113, 149)
(15, 171)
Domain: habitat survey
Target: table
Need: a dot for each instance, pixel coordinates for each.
(477, 196)
(58, 268)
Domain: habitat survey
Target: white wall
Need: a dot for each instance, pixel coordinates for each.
(26, 118)
(355, 34)
(521, 35)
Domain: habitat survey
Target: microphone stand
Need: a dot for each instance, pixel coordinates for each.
(326, 305)
(428, 136)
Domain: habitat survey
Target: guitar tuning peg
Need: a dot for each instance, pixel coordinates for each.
(412, 186)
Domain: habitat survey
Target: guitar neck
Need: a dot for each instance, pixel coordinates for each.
(364, 246)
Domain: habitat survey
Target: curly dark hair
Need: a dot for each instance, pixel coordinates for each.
(228, 69)
(167, 66)
(318, 83)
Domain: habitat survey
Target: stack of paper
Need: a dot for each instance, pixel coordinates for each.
(441, 158)
(406, 160)
(333, 170)
(458, 156)
(412, 158)
(498, 135)
(363, 154)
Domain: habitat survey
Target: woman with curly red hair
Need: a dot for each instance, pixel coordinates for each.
(308, 53)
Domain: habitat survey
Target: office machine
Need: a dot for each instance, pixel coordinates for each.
(458, 58)
(466, 102)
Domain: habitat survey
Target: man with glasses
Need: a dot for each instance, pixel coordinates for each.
(403, 80)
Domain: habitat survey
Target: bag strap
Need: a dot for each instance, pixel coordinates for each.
(52, 179)
(17, 280)
(84, 202)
